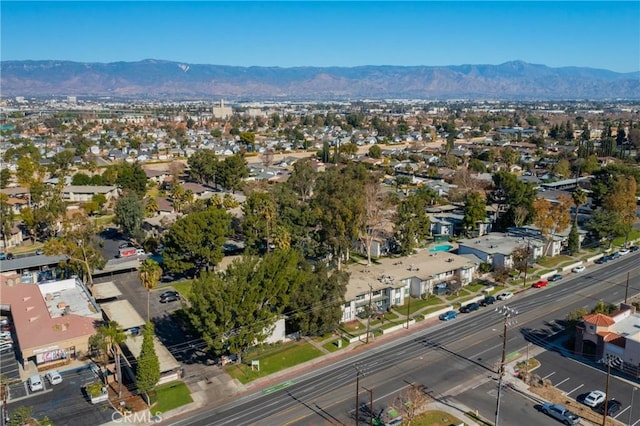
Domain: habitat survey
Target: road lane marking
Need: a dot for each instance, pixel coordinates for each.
(558, 384)
(622, 412)
(549, 375)
(572, 391)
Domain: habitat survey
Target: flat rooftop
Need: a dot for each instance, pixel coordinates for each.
(68, 297)
(389, 272)
(123, 313)
(166, 359)
(628, 327)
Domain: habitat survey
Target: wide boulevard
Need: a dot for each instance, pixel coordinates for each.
(444, 359)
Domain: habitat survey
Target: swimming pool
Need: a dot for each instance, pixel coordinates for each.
(441, 247)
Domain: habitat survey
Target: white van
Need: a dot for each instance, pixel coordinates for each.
(35, 383)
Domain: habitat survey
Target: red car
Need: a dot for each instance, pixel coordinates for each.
(541, 283)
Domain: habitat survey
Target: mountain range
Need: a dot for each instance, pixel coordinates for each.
(160, 79)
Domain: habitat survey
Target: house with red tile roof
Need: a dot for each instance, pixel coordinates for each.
(52, 321)
(615, 337)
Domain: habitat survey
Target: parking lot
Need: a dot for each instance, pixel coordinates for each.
(64, 403)
(576, 380)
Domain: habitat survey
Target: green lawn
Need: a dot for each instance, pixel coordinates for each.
(286, 356)
(417, 304)
(171, 395)
(553, 262)
(460, 294)
(183, 287)
(333, 345)
(353, 327)
(436, 418)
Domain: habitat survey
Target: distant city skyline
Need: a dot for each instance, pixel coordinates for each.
(287, 34)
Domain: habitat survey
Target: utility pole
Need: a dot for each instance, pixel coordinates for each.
(370, 312)
(409, 309)
(506, 313)
(606, 394)
(626, 290)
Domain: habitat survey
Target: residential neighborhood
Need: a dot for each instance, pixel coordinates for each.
(220, 231)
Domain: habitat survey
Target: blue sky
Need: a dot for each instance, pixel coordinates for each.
(329, 33)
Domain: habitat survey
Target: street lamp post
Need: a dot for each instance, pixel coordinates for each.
(507, 313)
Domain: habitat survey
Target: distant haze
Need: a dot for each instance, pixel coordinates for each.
(176, 80)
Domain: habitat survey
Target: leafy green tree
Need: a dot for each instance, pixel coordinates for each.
(202, 166)
(236, 310)
(604, 308)
(509, 156)
(99, 199)
(574, 318)
(149, 274)
(573, 241)
(475, 210)
(148, 368)
(511, 194)
(61, 162)
(5, 177)
(622, 200)
(80, 179)
(76, 242)
(195, 241)
(20, 416)
(248, 138)
(339, 200)
(259, 219)
(106, 344)
(476, 165)
(129, 213)
(7, 219)
(375, 151)
(411, 223)
(315, 307)
(552, 218)
(231, 172)
(604, 225)
(303, 179)
(129, 176)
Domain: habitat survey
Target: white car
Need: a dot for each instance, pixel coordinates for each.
(54, 377)
(594, 398)
(578, 269)
(624, 251)
(505, 296)
(35, 383)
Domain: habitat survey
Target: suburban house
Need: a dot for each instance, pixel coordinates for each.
(84, 193)
(615, 337)
(52, 320)
(389, 281)
(497, 248)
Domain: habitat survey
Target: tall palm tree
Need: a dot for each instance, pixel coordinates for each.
(149, 273)
(579, 198)
(111, 336)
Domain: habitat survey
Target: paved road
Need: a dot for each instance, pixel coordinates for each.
(447, 359)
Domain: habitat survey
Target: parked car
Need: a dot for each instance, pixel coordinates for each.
(2, 255)
(6, 347)
(555, 277)
(624, 251)
(488, 300)
(601, 260)
(5, 335)
(505, 296)
(594, 398)
(124, 245)
(170, 298)
(615, 255)
(169, 293)
(35, 383)
(54, 377)
(449, 315)
(469, 308)
(633, 248)
(540, 284)
(613, 407)
(578, 269)
(560, 412)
